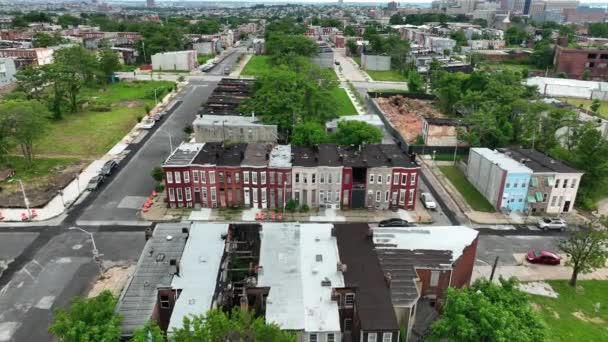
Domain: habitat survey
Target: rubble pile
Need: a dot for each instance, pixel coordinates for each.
(406, 114)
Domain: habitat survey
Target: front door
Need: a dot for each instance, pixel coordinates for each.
(247, 198)
(566, 206)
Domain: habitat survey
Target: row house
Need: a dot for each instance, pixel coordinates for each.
(259, 175)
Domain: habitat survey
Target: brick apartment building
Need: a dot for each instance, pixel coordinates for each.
(574, 62)
(323, 282)
(258, 175)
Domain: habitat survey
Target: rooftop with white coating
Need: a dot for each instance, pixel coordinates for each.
(300, 266)
(436, 238)
(502, 160)
(198, 272)
(280, 156)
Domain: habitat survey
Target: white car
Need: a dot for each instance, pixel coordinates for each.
(147, 123)
(428, 201)
(547, 223)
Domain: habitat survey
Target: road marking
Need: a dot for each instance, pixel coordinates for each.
(77, 247)
(64, 260)
(5, 288)
(45, 302)
(28, 273)
(37, 263)
(7, 330)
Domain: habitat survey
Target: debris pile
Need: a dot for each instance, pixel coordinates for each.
(405, 114)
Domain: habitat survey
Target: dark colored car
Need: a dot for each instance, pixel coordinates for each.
(543, 257)
(95, 183)
(108, 167)
(394, 222)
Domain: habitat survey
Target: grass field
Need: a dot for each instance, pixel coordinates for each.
(602, 112)
(571, 316)
(390, 75)
(509, 66)
(345, 106)
(91, 132)
(357, 60)
(256, 66)
(470, 194)
(40, 167)
(202, 59)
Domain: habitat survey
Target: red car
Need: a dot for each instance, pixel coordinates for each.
(543, 257)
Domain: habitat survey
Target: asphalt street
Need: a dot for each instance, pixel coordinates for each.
(119, 201)
(228, 62)
(491, 246)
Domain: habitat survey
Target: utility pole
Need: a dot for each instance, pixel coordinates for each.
(96, 255)
(494, 268)
(25, 200)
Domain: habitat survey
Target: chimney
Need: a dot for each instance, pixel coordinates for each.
(388, 278)
(244, 302)
(413, 157)
(174, 267)
(341, 267)
(267, 155)
(253, 116)
(186, 232)
(148, 233)
(242, 155)
(562, 41)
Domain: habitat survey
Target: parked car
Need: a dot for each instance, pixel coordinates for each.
(226, 70)
(543, 257)
(547, 223)
(148, 123)
(337, 63)
(95, 183)
(428, 201)
(108, 167)
(394, 222)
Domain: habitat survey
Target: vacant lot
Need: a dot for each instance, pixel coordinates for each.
(572, 316)
(345, 105)
(467, 190)
(390, 75)
(256, 66)
(109, 115)
(602, 111)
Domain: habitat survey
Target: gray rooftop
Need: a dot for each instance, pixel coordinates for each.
(184, 154)
(227, 120)
(139, 298)
(538, 161)
(257, 154)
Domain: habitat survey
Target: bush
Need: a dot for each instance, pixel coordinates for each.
(291, 206)
(139, 118)
(188, 129)
(160, 187)
(181, 79)
(157, 174)
(304, 208)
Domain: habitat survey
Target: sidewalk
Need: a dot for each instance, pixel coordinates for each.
(158, 212)
(237, 71)
(73, 191)
(534, 272)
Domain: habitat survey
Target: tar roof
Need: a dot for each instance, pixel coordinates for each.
(328, 155)
(226, 121)
(137, 303)
(373, 299)
(280, 156)
(538, 161)
(198, 272)
(257, 154)
(232, 155)
(184, 154)
(304, 156)
(400, 250)
(501, 160)
(375, 156)
(209, 154)
(296, 259)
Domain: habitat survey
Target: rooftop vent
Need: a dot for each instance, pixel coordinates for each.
(319, 257)
(169, 237)
(326, 282)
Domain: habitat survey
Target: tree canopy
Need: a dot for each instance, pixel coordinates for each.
(488, 312)
(88, 320)
(587, 249)
(356, 133)
(22, 123)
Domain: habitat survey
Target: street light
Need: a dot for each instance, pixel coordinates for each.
(96, 255)
(170, 139)
(60, 193)
(25, 199)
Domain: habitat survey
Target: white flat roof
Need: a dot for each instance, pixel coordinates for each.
(503, 161)
(296, 258)
(280, 156)
(198, 271)
(436, 238)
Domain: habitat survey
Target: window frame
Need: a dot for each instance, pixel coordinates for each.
(169, 177)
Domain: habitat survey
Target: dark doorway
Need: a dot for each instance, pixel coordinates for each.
(566, 206)
(358, 201)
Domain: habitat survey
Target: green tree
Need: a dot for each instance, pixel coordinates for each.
(88, 319)
(157, 174)
(74, 67)
(149, 333)
(587, 250)
(349, 31)
(42, 39)
(26, 122)
(67, 20)
(415, 83)
(488, 312)
(351, 45)
(238, 325)
(205, 27)
(356, 133)
(31, 81)
(598, 30)
(459, 37)
(515, 35)
(586, 75)
(396, 19)
(595, 105)
(281, 47)
(308, 134)
(543, 55)
(108, 63)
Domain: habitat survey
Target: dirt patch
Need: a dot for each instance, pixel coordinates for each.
(582, 317)
(406, 114)
(40, 190)
(128, 104)
(114, 279)
(536, 307)
(539, 288)
(554, 313)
